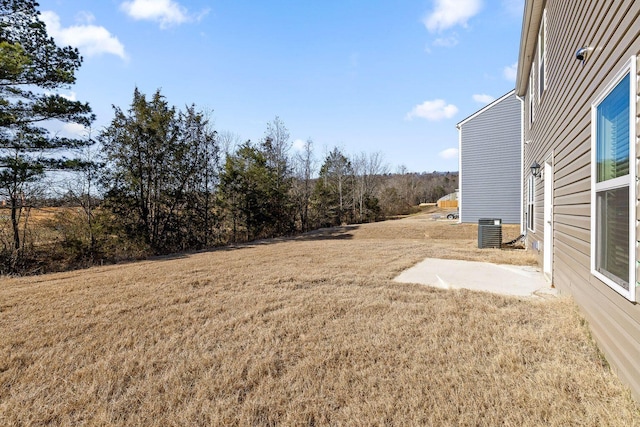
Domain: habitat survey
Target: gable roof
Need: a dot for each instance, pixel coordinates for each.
(485, 108)
(533, 10)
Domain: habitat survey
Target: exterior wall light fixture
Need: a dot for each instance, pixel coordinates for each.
(535, 169)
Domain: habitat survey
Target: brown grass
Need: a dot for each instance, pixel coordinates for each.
(38, 215)
(38, 220)
(306, 331)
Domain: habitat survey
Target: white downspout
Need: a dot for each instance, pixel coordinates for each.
(523, 227)
(459, 174)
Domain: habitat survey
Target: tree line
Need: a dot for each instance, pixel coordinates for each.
(159, 179)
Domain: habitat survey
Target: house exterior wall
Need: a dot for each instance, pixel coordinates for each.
(561, 134)
(490, 157)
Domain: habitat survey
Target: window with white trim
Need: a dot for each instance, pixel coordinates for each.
(613, 174)
(542, 56)
(531, 196)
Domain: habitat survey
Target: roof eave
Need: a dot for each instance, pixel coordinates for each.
(485, 108)
(533, 11)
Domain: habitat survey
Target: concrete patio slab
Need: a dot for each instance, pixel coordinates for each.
(524, 281)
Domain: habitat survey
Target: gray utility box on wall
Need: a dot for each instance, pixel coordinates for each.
(489, 233)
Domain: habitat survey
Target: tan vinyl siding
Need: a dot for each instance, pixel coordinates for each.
(637, 127)
(562, 129)
(614, 331)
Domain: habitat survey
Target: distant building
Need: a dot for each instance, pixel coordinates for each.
(491, 162)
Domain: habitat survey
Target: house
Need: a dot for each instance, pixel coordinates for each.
(490, 153)
(578, 77)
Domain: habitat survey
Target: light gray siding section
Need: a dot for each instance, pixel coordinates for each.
(490, 160)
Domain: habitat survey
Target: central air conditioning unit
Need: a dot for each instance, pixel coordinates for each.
(489, 233)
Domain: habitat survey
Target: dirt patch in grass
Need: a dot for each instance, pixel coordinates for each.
(303, 331)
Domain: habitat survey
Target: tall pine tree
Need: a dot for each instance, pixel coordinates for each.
(141, 148)
(32, 69)
(331, 196)
(161, 173)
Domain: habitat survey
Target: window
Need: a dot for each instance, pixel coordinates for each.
(531, 97)
(542, 56)
(531, 196)
(612, 174)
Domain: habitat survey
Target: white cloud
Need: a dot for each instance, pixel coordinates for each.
(74, 130)
(84, 17)
(449, 13)
(450, 41)
(434, 110)
(483, 98)
(71, 96)
(510, 72)
(166, 12)
(299, 145)
(449, 153)
(91, 40)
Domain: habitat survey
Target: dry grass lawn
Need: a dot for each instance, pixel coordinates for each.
(305, 331)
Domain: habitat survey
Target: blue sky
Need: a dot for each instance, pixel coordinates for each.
(367, 76)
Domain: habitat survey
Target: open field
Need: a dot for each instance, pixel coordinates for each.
(37, 219)
(304, 331)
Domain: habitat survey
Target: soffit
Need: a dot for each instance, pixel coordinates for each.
(533, 11)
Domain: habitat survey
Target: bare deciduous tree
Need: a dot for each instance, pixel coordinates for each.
(367, 169)
(278, 145)
(228, 142)
(304, 165)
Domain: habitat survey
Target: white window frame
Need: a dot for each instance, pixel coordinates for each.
(620, 182)
(542, 56)
(531, 204)
(532, 97)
